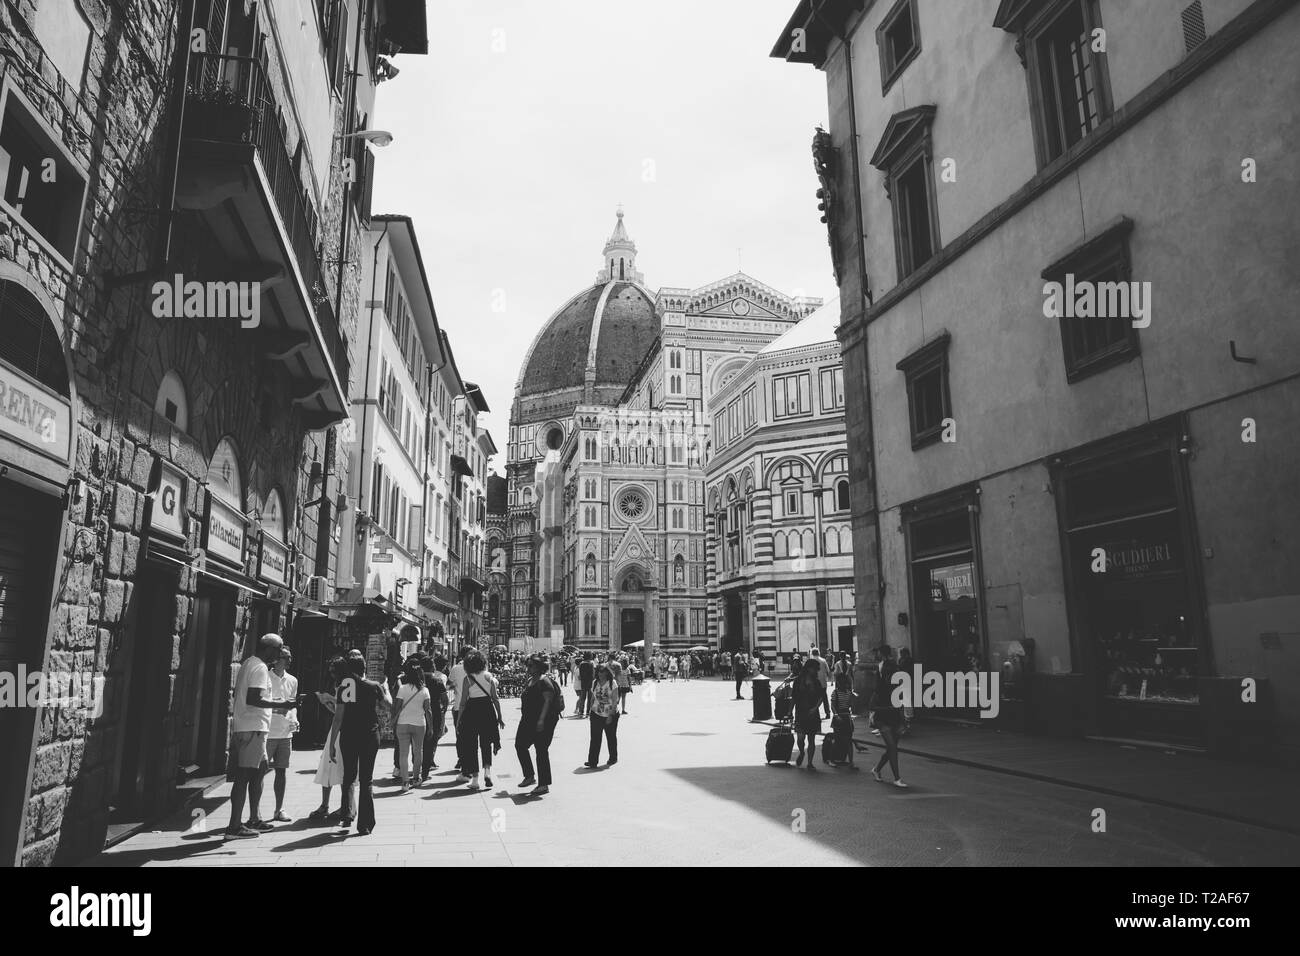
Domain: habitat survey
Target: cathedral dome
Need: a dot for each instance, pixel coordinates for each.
(589, 350)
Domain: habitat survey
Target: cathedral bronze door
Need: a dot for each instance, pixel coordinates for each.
(631, 625)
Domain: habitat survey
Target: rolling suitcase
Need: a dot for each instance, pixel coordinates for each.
(780, 743)
(835, 746)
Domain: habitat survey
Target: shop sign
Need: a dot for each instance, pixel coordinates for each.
(167, 512)
(952, 582)
(33, 415)
(1135, 557)
(382, 557)
(273, 561)
(223, 531)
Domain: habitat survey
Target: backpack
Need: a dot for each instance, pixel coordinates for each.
(561, 705)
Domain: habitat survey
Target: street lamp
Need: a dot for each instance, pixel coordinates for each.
(380, 137)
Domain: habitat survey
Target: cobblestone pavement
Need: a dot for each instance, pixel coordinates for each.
(691, 789)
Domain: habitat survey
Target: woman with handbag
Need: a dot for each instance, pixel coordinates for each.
(479, 722)
(603, 716)
(414, 716)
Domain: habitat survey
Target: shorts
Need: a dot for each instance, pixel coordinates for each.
(623, 691)
(278, 752)
(247, 751)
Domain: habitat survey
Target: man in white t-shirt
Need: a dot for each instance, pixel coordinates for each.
(455, 679)
(279, 742)
(823, 677)
(250, 724)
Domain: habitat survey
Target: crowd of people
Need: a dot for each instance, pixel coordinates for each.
(427, 699)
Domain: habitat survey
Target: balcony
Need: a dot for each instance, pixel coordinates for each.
(237, 174)
(472, 575)
(435, 594)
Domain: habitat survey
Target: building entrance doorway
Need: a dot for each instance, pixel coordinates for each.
(734, 640)
(631, 625)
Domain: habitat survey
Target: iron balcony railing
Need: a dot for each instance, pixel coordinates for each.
(229, 99)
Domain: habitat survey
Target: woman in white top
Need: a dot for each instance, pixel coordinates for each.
(414, 716)
(479, 722)
(672, 668)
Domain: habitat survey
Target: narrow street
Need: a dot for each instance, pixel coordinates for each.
(691, 789)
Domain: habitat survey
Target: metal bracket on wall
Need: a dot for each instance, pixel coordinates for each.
(1232, 348)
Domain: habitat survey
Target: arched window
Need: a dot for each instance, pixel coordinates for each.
(273, 517)
(224, 478)
(831, 541)
(528, 496)
(172, 403)
(842, 495)
(808, 543)
(779, 547)
(620, 269)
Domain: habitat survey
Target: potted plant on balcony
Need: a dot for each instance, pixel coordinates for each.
(218, 112)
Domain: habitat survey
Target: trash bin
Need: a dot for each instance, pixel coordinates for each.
(762, 694)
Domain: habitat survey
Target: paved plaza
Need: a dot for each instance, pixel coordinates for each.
(691, 789)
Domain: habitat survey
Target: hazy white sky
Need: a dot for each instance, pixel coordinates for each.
(530, 120)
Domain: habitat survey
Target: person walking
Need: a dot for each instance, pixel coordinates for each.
(739, 671)
(455, 679)
(624, 684)
(808, 695)
(435, 681)
(540, 708)
(888, 717)
(604, 716)
(250, 723)
(356, 730)
(414, 710)
(562, 669)
(673, 665)
(329, 769)
(284, 724)
(842, 723)
(823, 677)
(582, 684)
(480, 721)
(905, 663)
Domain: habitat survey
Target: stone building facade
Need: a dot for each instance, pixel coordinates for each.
(1059, 296)
(777, 490)
(162, 487)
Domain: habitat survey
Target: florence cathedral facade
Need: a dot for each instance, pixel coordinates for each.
(606, 539)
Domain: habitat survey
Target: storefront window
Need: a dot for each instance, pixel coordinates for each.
(945, 592)
(1131, 578)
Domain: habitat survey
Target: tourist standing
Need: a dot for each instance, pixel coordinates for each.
(808, 696)
(414, 717)
(250, 724)
(739, 671)
(624, 684)
(673, 665)
(888, 717)
(480, 720)
(540, 712)
(356, 729)
(604, 716)
(329, 769)
(279, 741)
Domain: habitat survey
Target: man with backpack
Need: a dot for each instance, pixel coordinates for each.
(541, 705)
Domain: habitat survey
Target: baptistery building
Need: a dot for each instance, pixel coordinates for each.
(608, 444)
